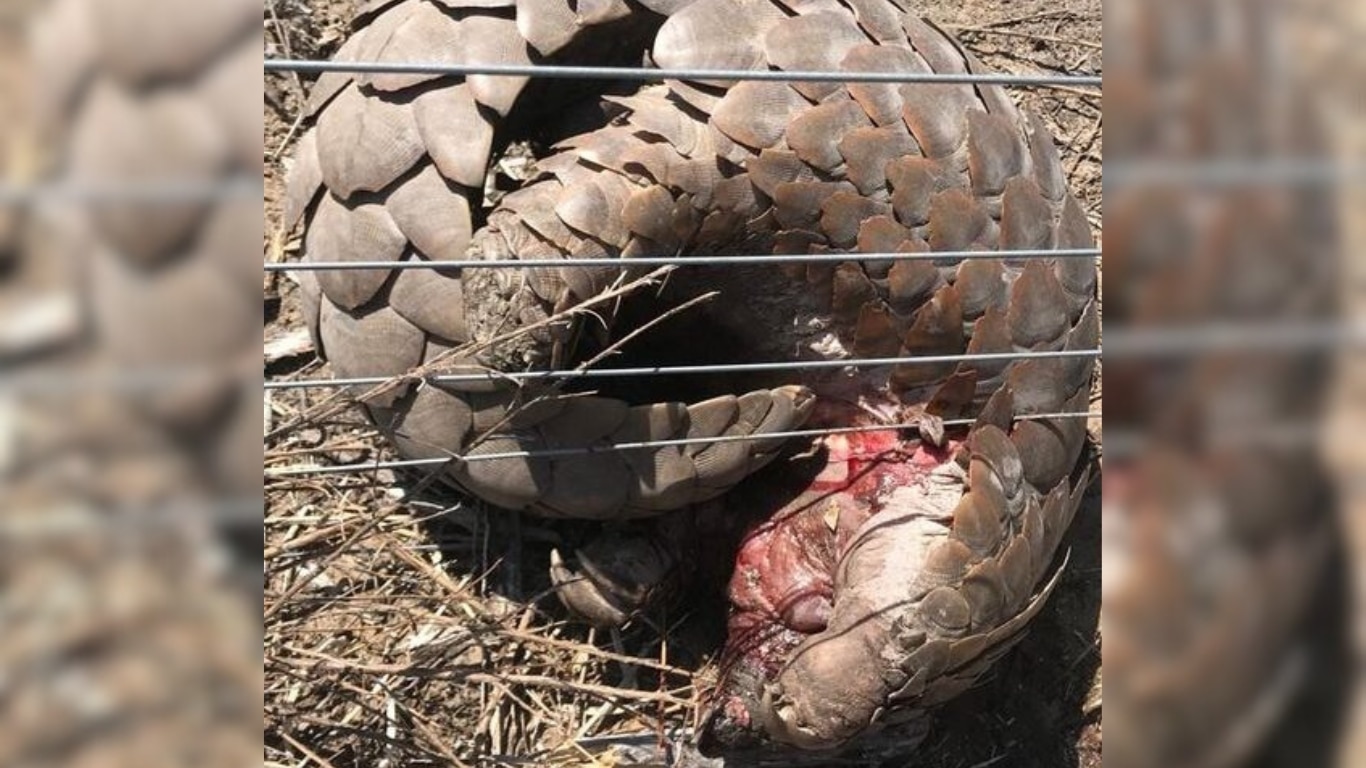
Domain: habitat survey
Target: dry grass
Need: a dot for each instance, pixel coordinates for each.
(380, 646)
(405, 625)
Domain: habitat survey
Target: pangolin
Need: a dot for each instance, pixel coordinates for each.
(889, 568)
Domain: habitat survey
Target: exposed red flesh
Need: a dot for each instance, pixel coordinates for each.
(781, 590)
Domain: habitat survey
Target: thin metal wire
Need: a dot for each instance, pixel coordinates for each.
(1260, 337)
(673, 370)
(62, 520)
(1279, 172)
(1131, 442)
(695, 261)
(561, 72)
(53, 383)
(145, 191)
(644, 444)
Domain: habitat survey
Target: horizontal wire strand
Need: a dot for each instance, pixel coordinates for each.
(672, 370)
(1270, 172)
(1280, 173)
(1123, 343)
(562, 72)
(130, 191)
(682, 261)
(641, 445)
(49, 384)
(1128, 441)
(62, 520)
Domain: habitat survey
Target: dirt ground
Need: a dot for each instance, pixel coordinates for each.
(408, 626)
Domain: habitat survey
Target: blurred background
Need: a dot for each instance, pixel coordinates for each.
(130, 298)
(1234, 555)
(1233, 190)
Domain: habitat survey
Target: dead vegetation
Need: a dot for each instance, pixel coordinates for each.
(405, 625)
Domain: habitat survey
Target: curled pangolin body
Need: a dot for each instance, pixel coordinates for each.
(932, 556)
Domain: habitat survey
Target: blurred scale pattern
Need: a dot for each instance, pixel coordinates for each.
(129, 400)
(1346, 66)
(1223, 282)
